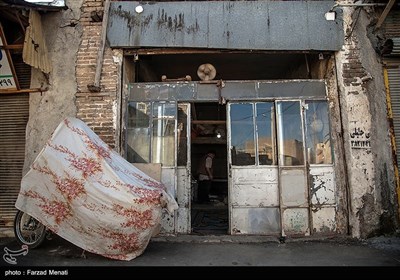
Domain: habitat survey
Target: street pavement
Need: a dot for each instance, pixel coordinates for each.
(212, 252)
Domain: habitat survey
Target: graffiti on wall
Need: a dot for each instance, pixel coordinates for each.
(360, 139)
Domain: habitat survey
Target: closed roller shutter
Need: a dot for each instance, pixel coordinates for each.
(392, 64)
(14, 113)
(394, 89)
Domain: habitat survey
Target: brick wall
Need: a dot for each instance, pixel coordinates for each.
(95, 108)
(353, 69)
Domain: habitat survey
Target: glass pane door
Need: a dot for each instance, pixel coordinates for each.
(293, 185)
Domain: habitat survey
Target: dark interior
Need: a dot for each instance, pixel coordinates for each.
(209, 133)
(228, 65)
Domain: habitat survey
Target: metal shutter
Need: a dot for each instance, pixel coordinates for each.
(394, 89)
(14, 114)
(392, 64)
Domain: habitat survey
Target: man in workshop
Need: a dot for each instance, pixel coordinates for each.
(205, 172)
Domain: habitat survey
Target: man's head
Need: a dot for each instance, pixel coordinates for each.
(211, 153)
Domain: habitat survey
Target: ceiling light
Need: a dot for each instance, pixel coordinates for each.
(331, 15)
(139, 9)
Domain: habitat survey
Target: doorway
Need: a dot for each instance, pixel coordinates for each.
(208, 133)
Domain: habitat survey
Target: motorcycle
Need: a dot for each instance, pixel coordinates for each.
(81, 190)
(29, 231)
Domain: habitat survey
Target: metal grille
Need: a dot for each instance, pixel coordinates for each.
(392, 24)
(22, 70)
(14, 114)
(394, 88)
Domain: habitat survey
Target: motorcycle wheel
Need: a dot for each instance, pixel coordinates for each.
(28, 230)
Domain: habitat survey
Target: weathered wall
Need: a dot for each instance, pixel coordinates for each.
(100, 110)
(47, 109)
(326, 69)
(365, 129)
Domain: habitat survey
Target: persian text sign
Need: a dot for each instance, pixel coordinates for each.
(7, 80)
(359, 139)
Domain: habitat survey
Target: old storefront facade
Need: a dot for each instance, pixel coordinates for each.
(290, 95)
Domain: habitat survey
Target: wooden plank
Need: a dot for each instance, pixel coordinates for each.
(29, 90)
(100, 55)
(207, 122)
(385, 13)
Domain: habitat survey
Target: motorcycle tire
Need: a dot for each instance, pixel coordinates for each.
(28, 231)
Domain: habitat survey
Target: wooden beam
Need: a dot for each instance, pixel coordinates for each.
(164, 51)
(28, 90)
(100, 55)
(207, 122)
(13, 47)
(385, 13)
(208, 140)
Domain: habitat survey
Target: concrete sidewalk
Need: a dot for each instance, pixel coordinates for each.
(190, 250)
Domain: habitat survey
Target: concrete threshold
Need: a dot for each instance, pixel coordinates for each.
(247, 239)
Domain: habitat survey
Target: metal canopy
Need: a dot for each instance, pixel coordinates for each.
(262, 25)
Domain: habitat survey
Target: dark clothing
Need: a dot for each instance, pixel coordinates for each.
(203, 191)
(205, 173)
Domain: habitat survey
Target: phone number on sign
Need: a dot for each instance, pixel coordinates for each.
(6, 83)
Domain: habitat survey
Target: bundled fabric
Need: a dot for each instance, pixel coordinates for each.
(88, 194)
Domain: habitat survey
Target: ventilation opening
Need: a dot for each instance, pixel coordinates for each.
(229, 66)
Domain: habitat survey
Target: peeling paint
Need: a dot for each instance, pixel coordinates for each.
(296, 221)
(322, 186)
(167, 223)
(324, 220)
(364, 122)
(255, 187)
(255, 221)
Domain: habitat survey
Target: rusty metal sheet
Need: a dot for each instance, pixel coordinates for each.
(254, 175)
(167, 223)
(232, 90)
(168, 179)
(322, 184)
(255, 221)
(259, 195)
(168, 220)
(265, 25)
(183, 187)
(294, 187)
(181, 91)
(183, 199)
(35, 51)
(323, 220)
(296, 221)
(183, 220)
(255, 187)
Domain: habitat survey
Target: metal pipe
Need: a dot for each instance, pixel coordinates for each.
(359, 4)
(29, 90)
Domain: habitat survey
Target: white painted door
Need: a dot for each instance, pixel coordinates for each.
(267, 172)
(252, 169)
